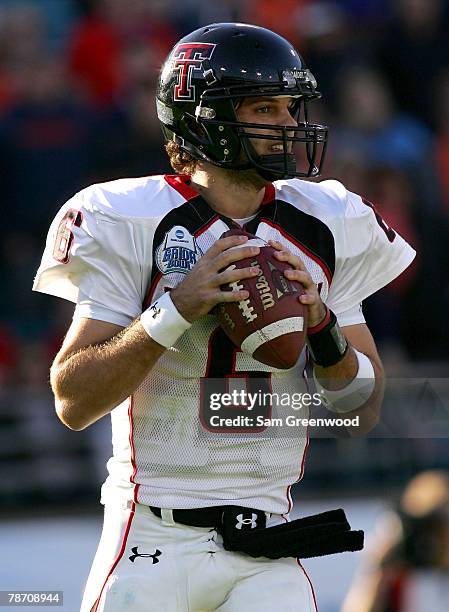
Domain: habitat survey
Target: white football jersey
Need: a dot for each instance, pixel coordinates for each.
(116, 247)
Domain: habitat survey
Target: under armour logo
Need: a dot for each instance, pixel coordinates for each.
(155, 310)
(246, 521)
(154, 556)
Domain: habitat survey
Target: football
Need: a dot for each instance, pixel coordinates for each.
(271, 324)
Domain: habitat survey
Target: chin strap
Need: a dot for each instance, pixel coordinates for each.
(270, 167)
(274, 168)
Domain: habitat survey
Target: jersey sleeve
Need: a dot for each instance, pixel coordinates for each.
(96, 259)
(369, 254)
(352, 316)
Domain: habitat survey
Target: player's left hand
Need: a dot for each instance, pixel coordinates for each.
(311, 297)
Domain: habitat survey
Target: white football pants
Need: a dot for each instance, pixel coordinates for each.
(145, 564)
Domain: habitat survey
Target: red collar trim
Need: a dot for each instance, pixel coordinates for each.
(179, 182)
(269, 194)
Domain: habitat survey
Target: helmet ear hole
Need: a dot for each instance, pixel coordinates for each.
(197, 130)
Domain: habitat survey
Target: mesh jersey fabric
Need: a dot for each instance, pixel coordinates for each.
(137, 239)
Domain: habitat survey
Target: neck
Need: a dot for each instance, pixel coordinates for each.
(235, 194)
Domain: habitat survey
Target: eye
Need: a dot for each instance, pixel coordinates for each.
(263, 109)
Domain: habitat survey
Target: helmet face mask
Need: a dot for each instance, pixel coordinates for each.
(207, 76)
(311, 139)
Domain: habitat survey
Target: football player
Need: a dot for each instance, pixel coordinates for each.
(196, 520)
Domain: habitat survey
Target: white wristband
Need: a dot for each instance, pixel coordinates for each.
(162, 321)
(353, 395)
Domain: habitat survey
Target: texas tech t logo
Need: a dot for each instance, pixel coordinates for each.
(186, 58)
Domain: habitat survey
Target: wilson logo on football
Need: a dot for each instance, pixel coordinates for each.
(186, 58)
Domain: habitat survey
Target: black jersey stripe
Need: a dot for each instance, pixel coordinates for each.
(309, 233)
(302, 247)
(195, 215)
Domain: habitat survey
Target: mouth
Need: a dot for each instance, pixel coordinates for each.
(279, 148)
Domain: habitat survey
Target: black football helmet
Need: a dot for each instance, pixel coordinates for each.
(206, 75)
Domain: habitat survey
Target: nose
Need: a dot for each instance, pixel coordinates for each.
(284, 119)
(289, 120)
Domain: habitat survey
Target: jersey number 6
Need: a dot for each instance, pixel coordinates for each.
(216, 392)
(64, 235)
(390, 233)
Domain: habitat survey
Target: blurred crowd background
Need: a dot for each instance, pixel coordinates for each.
(77, 85)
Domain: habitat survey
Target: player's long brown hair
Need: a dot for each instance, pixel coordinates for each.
(181, 161)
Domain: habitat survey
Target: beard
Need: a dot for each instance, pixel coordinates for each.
(247, 179)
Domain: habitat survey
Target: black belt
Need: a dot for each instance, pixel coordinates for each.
(196, 517)
(244, 530)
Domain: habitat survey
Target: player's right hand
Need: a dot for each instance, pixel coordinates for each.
(200, 291)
